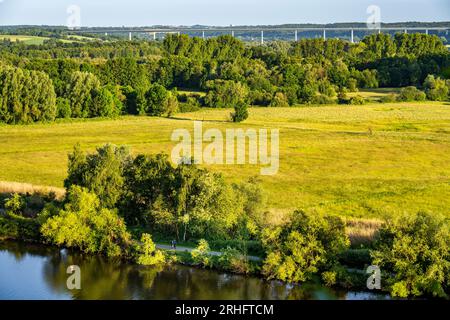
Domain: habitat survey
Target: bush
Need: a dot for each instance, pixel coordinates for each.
(252, 247)
(413, 253)
(148, 255)
(411, 93)
(234, 261)
(357, 100)
(436, 89)
(279, 100)
(85, 225)
(389, 98)
(306, 246)
(200, 255)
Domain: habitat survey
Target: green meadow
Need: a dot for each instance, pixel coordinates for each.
(361, 161)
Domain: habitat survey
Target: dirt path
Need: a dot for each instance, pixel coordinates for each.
(212, 253)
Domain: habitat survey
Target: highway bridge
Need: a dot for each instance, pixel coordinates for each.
(265, 33)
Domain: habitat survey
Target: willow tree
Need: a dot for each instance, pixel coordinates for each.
(26, 96)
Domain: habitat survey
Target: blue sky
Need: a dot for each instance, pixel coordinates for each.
(217, 12)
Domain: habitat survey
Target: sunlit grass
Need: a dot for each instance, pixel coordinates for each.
(360, 161)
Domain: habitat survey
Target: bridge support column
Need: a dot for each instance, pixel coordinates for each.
(296, 36)
(232, 33)
(262, 36)
(154, 36)
(203, 34)
(129, 36)
(406, 31)
(426, 31)
(352, 40)
(324, 34)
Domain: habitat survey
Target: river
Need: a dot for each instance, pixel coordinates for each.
(30, 271)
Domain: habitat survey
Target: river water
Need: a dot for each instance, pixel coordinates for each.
(29, 271)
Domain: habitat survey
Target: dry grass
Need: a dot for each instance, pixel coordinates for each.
(362, 231)
(27, 188)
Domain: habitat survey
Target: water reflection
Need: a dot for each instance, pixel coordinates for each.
(39, 272)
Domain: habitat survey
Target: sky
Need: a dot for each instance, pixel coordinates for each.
(216, 12)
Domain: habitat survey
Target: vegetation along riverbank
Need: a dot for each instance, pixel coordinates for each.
(364, 170)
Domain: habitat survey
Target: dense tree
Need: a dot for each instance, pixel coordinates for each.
(101, 172)
(26, 96)
(225, 94)
(413, 252)
(80, 92)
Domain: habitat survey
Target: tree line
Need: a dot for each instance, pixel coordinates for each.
(107, 79)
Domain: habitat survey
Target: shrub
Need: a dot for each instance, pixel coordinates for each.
(234, 261)
(279, 100)
(411, 93)
(148, 255)
(413, 253)
(436, 89)
(85, 225)
(357, 100)
(306, 246)
(200, 255)
(389, 98)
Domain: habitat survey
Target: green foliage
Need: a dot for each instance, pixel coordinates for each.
(357, 100)
(234, 261)
(279, 100)
(413, 254)
(80, 91)
(147, 253)
(84, 224)
(225, 94)
(411, 94)
(104, 104)
(26, 96)
(15, 204)
(14, 225)
(63, 109)
(240, 112)
(306, 246)
(157, 100)
(200, 255)
(436, 89)
(100, 172)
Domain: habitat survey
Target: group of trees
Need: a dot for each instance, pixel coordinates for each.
(137, 77)
(183, 201)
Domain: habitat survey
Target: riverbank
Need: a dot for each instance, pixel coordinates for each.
(34, 271)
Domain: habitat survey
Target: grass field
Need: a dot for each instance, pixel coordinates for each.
(30, 40)
(361, 161)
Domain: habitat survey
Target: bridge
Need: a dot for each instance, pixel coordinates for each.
(263, 33)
